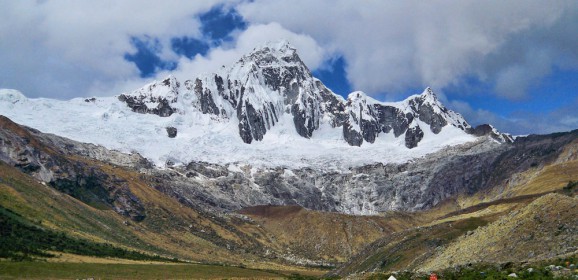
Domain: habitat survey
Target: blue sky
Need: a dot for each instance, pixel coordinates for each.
(512, 64)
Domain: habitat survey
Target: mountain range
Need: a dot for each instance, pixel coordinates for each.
(268, 99)
(261, 162)
(272, 81)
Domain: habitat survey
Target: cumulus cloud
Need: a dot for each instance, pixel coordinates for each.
(390, 46)
(71, 48)
(62, 48)
(225, 55)
(247, 40)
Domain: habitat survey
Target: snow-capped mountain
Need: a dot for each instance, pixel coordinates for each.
(267, 99)
(272, 81)
(256, 91)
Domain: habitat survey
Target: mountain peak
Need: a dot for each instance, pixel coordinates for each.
(428, 91)
(274, 58)
(429, 96)
(274, 53)
(282, 45)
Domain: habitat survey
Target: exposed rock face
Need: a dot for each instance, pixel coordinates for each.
(431, 112)
(363, 190)
(481, 130)
(45, 157)
(273, 81)
(205, 99)
(352, 136)
(369, 118)
(251, 125)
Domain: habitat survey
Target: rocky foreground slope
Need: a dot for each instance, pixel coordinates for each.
(523, 230)
(544, 229)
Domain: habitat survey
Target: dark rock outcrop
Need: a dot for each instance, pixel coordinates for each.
(352, 136)
(374, 118)
(481, 130)
(413, 136)
(206, 102)
(171, 132)
(392, 118)
(304, 118)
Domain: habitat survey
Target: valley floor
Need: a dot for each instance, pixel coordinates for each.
(95, 268)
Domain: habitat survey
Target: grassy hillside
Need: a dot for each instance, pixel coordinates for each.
(42, 205)
(557, 268)
(165, 231)
(408, 249)
(544, 229)
(332, 237)
(20, 240)
(169, 229)
(531, 228)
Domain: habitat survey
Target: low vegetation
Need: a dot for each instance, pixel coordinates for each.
(571, 188)
(21, 239)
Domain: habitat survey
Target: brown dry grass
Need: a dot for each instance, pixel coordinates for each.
(329, 236)
(167, 236)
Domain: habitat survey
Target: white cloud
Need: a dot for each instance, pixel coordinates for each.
(69, 48)
(390, 46)
(62, 48)
(246, 41)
